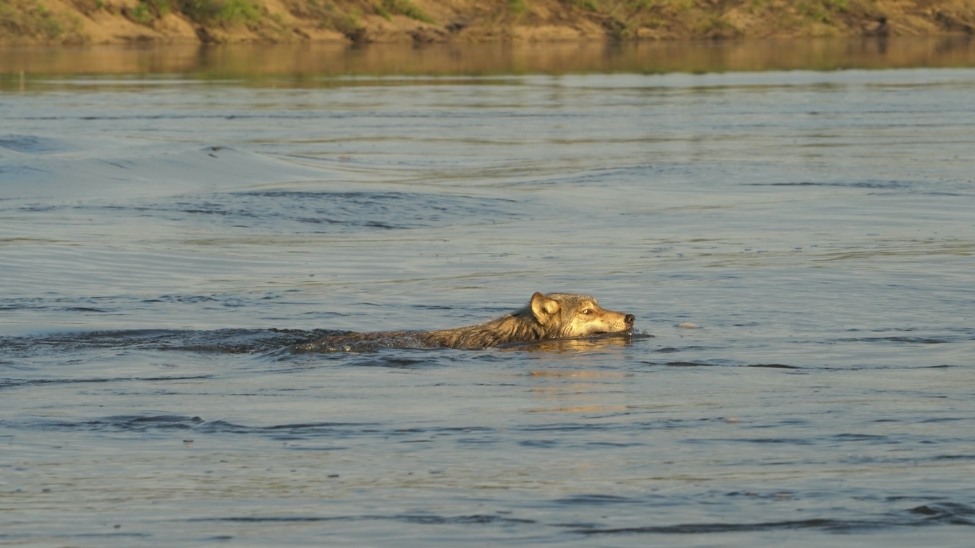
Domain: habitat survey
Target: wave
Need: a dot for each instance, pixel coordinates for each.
(37, 167)
(933, 513)
(226, 341)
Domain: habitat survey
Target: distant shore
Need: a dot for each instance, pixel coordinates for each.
(87, 22)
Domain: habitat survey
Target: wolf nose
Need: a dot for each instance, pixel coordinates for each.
(629, 319)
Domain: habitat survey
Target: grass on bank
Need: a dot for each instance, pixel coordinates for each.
(32, 18)
(621, 19)
(228, 13)
(221, 13)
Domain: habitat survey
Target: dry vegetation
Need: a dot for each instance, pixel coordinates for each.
(163, 21)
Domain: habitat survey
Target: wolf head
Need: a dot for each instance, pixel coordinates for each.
(565, 315)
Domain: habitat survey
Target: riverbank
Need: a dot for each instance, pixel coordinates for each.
(54, 22)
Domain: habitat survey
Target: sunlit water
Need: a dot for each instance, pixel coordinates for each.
(164, 241)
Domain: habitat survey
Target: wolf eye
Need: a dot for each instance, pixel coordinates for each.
(585, 312)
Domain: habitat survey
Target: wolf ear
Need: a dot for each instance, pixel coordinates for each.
(544, 308)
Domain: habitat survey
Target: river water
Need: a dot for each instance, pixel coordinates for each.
(798, 242)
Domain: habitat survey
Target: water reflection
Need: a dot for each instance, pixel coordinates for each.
(601, 342)
(306, 65)
(575, 384)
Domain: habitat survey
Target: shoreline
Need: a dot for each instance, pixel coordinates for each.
(417, 22)
(318, 64)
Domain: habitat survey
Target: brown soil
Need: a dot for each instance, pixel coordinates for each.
(420, 21)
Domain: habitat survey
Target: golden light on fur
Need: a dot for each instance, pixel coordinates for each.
(547, 317)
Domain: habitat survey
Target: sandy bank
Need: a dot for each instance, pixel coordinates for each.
(422, 21)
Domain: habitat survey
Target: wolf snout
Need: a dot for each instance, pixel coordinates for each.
(629, 319)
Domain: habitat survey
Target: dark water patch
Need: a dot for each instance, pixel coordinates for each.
(955, 457)
(562, 427)
(321, 211)
(184, 299)
(590, 499)
(773, 366)
(682, 364)
(462, 434)
(32, 144)
(471, 519)
(667, 350)
(297, 431)
(302, 211)
(441, 308)
(925, 515)
(64, 304)
(296, 447)
(868, 184)
(780, 422)
(760, 441)
(613, 444)
(270, 519)
(175, 116)
(860, 437)
(948, 513)
(540, 444)
(17, 383)
(394, 361)
(480, 442)
(715, 363)
(774, 495)
(896, 339)
(127, 423)
(943, 419)
(830, 525)
(225, 341)
(413, 518)
(674, 349)
(170, 422)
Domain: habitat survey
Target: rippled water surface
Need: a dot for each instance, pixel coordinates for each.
(799, 244)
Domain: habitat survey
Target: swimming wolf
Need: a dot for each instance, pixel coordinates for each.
(547, 317)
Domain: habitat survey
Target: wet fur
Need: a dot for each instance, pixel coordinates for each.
(547, 317)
